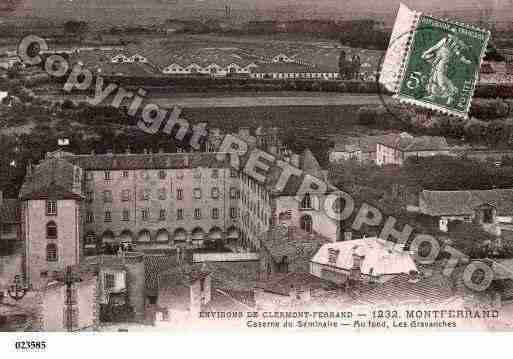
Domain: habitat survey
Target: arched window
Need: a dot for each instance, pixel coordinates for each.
(306, 203)
(51, 252)
(306, 223)
(51, 230)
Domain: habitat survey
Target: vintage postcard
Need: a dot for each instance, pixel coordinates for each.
(255, 166)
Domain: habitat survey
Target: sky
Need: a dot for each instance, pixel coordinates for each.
(113, 11)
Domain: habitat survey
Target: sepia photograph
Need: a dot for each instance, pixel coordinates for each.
(255, 166)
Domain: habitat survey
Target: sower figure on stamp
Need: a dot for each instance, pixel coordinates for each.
(439, 84)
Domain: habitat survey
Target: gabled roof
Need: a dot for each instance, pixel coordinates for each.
(52, 178)
(408, 143)
(309, 164)
(440, 203)
(377, 258)
(436, 288)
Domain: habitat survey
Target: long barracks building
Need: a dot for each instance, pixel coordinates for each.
(72, 204)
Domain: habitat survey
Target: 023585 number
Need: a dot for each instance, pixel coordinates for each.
(30, 345)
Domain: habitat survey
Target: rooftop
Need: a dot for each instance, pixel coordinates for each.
(297, 280)
(435, 288)
(292, 242)
(377, 258)
(439, 203)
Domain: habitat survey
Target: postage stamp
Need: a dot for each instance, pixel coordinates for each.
(440, 64)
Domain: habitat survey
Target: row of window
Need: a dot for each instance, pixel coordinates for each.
(145, 215)
(145, 194)
(162, 174)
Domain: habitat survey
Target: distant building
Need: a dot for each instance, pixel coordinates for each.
(488, 208)
(397, 149)
(292, 71)
(366, 260)
(345, 152)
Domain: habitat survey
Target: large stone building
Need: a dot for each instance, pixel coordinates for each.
(73, 206)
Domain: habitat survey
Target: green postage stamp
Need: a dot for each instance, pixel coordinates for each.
(433, 63)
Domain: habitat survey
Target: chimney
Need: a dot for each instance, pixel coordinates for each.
(29, 169)
(348, 235)
(145, 151)
(244, 132)
(127, 151)
(92, 153)
(186, 161)
(109, 152)
(290, 233)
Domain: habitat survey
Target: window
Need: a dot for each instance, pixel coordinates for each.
(51, 252)
(51, 230)
(306, 223)
(110, 281)
(126, 215)
(162, 215)
(90, 240)
(233, 212)
(179, 214)
(106, 175)
(144, 194)
(89, 176)
(233, 173)
(197, 213)
(306, 203)
(145, 214)
(124, 174)
(162, 193)
(107, 196)
(234, 193)
(51, 208)
(197, 193)
(108, 216)
(179, 194)
(215, 173)
(284, 265)
(90, 196)
(215, 213)
(89, 217)
(162, 174)
(215, 193)
(125, 195)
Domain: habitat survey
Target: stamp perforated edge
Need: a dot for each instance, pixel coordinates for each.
(437, 108)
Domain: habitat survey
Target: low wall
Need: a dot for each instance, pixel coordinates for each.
(224, 257)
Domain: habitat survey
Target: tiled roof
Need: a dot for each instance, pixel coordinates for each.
(298, 280)
(182, 275)
(10, 211)
(377, 258)
(52, 178)
(291, 242)
(439, 203)
(222, 301)
(154, 265)
(146, 161)
(436, 288)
